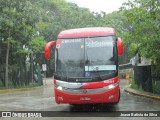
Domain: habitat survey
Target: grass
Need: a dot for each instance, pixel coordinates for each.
(156, 86)
(134, 85)
(31, 85)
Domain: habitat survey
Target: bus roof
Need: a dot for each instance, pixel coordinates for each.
(86, 32)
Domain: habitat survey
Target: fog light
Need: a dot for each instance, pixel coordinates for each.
(111, 96)
(60, 98)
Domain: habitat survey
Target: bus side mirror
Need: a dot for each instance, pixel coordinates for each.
(120, 46)
(47, 49)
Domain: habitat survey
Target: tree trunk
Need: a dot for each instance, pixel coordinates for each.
(31, 63)
(6, 66)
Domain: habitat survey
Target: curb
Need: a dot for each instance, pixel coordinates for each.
(19, 89)
(140, 93)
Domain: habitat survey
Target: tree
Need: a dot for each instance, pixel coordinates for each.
(26, 25)
(144, 35)
(17, 28)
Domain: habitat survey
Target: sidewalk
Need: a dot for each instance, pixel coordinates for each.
(142, 93)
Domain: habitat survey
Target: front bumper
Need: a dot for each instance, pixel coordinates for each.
(108, 96)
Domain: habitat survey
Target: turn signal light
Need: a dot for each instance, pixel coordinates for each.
(60, 98)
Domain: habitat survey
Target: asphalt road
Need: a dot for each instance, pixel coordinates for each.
(42, 99)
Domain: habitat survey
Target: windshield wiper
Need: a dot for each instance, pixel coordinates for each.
(96, 72)
(88, 63)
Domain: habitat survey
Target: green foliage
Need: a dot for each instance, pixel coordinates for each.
(17, 28)
(26, 26)
(31, 85)
(156, 86)
(144, 32)
(143, 16)
(37, 44)
(134, 85)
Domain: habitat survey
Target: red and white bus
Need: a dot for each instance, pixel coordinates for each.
(86, 65)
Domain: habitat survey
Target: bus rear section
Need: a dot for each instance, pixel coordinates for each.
(86, 66)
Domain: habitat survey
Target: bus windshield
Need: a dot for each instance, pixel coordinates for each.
(88, 57)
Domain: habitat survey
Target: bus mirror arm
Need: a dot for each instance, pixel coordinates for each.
(120, 46)
(47, 49)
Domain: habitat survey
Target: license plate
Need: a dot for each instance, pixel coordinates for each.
(85, 98)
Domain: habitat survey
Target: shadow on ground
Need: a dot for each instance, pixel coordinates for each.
(93, 108)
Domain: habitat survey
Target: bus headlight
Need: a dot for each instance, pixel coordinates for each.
(112, 85)
(60, 88)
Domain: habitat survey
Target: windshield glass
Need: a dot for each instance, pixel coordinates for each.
(86, 57)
